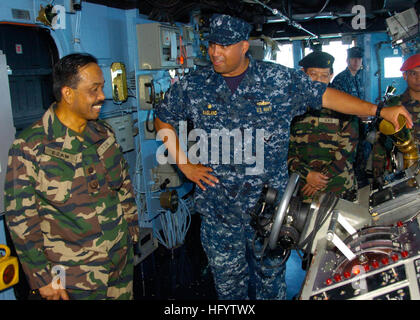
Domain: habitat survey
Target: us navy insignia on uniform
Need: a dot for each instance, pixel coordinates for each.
(264, 109)
(264, 106)
(263, 103)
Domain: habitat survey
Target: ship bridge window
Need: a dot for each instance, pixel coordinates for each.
(392, 67)
(284, 56)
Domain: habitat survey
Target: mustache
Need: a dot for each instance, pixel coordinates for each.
(99, 103)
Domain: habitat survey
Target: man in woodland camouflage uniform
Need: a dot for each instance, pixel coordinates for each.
(323, 142)
(68, 197)
(256, 101)
(411, 100)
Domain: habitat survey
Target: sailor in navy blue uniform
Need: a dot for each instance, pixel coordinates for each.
(250, 104)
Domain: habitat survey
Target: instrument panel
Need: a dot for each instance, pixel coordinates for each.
(386, 266)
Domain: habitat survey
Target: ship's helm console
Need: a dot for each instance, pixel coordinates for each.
(367, 249)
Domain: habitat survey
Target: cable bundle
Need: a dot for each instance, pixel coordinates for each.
(174, 226)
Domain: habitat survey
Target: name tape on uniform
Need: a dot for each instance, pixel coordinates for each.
(73, 158)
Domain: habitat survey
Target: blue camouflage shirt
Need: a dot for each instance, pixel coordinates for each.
(259, 113)
(354, 85)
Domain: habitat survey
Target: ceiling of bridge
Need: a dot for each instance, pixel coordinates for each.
(278, 18)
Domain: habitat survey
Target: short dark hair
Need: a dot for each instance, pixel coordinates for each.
(66, 71)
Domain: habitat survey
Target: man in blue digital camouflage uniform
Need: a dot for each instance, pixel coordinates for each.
(352, 81)
(252, 102)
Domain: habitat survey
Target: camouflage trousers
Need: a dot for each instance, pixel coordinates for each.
(238, 270)
(119, 286)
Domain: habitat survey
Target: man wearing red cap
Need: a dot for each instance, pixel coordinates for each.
(410, 99)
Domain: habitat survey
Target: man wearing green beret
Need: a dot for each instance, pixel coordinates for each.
(323, 142)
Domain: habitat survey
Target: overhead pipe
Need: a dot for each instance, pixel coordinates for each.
(276, 12)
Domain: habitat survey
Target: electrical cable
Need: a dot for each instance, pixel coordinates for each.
(286, 18)
(174, 226)
(319, 12)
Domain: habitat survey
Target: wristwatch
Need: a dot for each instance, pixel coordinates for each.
(379, 109)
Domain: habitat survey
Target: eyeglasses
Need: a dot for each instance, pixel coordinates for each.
(321, 76)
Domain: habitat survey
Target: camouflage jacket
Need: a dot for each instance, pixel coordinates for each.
(69, 202)
(383, 144)
(354, 85)
(324, 141)
(267, 99)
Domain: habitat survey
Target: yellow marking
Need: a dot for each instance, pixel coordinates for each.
(210, 112)
(263, 103)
